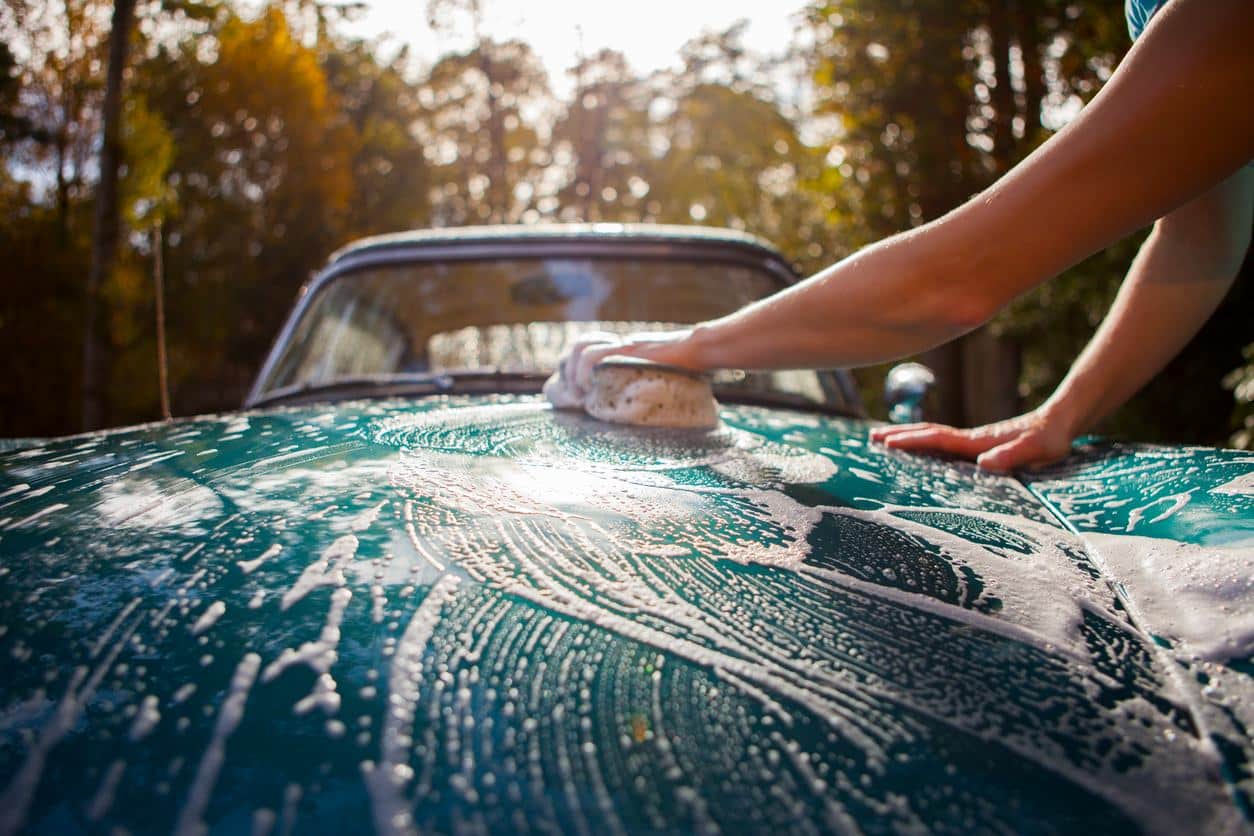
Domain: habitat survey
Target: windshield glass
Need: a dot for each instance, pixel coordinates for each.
(513, 315)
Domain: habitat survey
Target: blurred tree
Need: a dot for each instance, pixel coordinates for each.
(390, 178)
(898, 88)
(732, 160)
(263, 172)
(63, 48)
(484, 107)
(603, 136)
(483, 133)
(15, 125)
(1241, 381)
(49, 98)
(707, 143)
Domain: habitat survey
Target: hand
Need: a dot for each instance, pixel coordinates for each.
(1032, 440)
(663, 347)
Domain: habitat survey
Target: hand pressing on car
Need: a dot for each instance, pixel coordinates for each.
(1031, 440)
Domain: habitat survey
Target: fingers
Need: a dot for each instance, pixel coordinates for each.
(589, 357)
(889, 430)
(938, 438)
(1028, 450)
(1023, 442)
(570, 361)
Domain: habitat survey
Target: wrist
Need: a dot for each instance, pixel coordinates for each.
(1066, 411)
(697, 349)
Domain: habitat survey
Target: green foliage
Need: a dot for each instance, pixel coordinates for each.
(40, 315)
(389, 176)
(1055, 321)
(149, 151)
(1241, 381)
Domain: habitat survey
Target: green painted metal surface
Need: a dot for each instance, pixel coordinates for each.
(478, 614)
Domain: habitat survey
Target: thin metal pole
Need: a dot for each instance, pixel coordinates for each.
(158, 278)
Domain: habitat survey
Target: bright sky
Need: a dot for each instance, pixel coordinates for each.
(648, 32)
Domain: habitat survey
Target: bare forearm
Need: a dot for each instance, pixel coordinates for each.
(875, 305)
(1178, 279)
(1171, 123)
(1147, 326)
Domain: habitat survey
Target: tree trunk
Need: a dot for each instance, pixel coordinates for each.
(63, 186)
(105, 233)
(1003, 95)
(990, 364)
(947, 398)
(990, 377)
(498, 187)
(1028, 36)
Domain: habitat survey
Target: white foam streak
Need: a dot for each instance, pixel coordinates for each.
(16, 798)
(146, 719)
(100, 803)
(327, 570)
(209, 617)
(321, 653)
(386, 780)
(250, 566)
(191, 818)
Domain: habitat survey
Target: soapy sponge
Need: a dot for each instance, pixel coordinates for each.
(626, 390)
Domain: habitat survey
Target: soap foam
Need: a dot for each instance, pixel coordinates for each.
(1199, 596)
(629, 549)
(648, 396)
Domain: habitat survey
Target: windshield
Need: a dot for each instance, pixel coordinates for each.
(514, 315)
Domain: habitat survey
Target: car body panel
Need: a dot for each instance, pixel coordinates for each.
(477, 613)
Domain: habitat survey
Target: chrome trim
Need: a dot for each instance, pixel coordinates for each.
(906, 387)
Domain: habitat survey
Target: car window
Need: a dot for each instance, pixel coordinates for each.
(513, 314)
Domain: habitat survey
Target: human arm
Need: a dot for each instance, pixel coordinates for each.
(1177, 280)
(1171, 122)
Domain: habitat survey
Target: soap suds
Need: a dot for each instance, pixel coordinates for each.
(100, 803)
(327, 570)
(386, 780)
(320, 654)
(146, 719)
(209, 617)
(1243, 485)
(191, 818)
(250, 566)
(1199, 596)
(607, 544)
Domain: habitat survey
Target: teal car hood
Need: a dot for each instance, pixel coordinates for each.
(480, 614)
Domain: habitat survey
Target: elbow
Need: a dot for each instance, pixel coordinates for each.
(964, 281)
(1212, 254)
(957, 311)
(1211, 234)
(972, 312)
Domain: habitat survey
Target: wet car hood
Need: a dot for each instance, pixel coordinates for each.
(476, 613)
